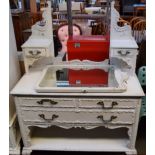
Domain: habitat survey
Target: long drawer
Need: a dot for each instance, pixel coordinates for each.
(108, 103)
(48, 102)
(89, 116)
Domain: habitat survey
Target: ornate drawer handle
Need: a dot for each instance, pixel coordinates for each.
(107, 121)
(123, 53)
(41, 102)
(52, 119)
(103, 107)
(35, 53)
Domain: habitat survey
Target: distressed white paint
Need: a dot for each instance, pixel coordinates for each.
(78, 116)
(122, 44)
(14, 136)
(40, 43)
(28, 82)
(77, 112)
(81, 110)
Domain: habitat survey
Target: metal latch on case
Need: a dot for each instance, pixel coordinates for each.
(77, 45)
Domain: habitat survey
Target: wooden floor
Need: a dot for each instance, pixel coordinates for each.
(140, 144)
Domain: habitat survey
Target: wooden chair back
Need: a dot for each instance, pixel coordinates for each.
(134, 20)
(139, 31)
(99, 28)
(123, 22)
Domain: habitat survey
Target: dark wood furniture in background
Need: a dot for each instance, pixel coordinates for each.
(33, 6)
(140, 10)
(117, 5)
(21, 22)
(127, 6)
(24, 19)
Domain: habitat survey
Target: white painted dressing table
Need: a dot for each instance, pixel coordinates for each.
(77, 110)
(42, 113)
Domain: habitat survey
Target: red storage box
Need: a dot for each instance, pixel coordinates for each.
(91, 77)
(95, 48)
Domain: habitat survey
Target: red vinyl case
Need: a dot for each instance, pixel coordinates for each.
(94, 48)
(88, 77)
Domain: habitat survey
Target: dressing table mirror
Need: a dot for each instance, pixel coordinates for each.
(85, 99)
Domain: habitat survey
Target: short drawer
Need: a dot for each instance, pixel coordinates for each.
(47, 102)
(34, 52)
(108, 103)
(124, 52)
(88, 117)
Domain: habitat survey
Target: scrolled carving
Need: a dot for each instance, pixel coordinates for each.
(84, 63)
(75, 125)
(44, 27)
(117, 31)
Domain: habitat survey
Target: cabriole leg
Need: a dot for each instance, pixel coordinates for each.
(26, 151)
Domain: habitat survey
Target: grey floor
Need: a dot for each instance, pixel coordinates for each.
(140, 144)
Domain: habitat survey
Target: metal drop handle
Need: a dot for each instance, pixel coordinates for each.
(106, 121)
(103, 107)
(123, 53)
(41, 102)
(35, 53)
(52, 119)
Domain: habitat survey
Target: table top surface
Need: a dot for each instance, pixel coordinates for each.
(37, 42)
(27, 84)
(119, 43)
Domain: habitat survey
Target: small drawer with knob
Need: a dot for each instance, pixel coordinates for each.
(48, 102)
(106, 103)
(91, 117)
(34, 52)
(124, 52)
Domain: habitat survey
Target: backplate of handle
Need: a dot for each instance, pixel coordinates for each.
(123, 53)
(46, 119)
(103, 107)
(107, 121)
(41, 102)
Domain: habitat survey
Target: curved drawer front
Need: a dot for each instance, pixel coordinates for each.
(124, 52)
(108, 103)
(89, 117)
(34, 52)
(48, 102)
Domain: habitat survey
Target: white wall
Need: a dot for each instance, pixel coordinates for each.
(14, 70)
